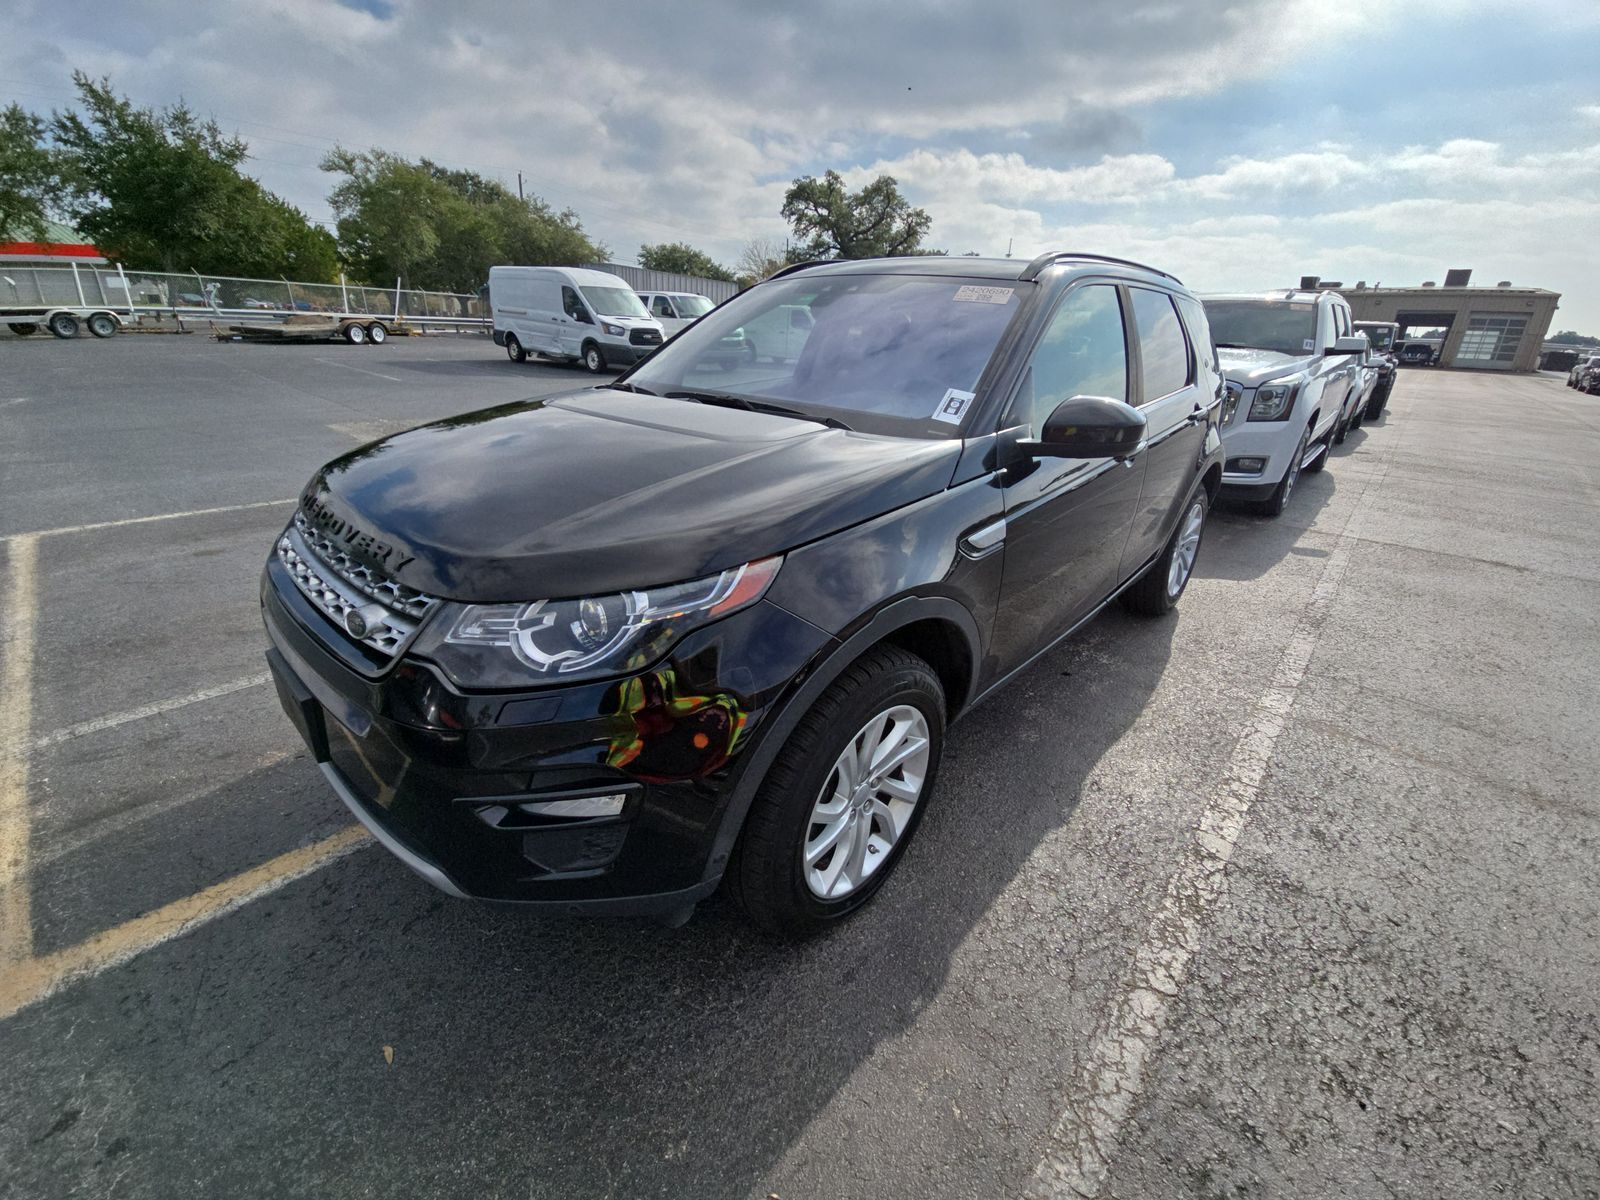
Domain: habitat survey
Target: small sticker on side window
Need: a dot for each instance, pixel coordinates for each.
(1307, 344)
(971, 293)
(953, 407)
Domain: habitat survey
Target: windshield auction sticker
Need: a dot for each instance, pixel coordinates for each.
(954, 406)
(973, 294)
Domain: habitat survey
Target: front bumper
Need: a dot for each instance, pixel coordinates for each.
(1272, 441)
(437, 774)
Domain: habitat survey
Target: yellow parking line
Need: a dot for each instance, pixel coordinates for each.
(38, 978)
(16, 721)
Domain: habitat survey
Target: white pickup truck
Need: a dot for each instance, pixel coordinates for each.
(1294, 367)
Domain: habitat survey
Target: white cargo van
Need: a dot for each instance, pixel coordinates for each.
(676, 310)
(570, 314)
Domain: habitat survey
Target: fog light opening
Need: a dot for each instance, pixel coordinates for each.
(1246, 466)
(578, 807)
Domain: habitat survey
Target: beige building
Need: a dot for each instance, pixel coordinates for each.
(1486, 328)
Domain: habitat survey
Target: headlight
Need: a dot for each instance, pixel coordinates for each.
(1273, 401)
(1230, 402)
(549, 641)
(613, 330)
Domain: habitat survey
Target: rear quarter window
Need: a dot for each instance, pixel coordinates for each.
(1163, 350)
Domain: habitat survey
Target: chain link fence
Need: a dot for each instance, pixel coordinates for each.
(195, 295)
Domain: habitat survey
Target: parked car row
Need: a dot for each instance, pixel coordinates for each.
(1585, 374)
(706, 625)
(1300, 375)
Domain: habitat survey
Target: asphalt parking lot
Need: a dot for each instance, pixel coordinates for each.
(1377, 713)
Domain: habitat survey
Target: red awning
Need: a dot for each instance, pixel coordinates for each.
(48, 250)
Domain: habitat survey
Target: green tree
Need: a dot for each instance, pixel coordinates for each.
(682, 259)
(439, 228)
(162, 189)
(28, 179)
(831, 222)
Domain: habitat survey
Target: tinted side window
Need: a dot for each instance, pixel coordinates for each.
(1194, 317)
(572, 306)
(662, 307)
(1162, 346)
(1083, 353)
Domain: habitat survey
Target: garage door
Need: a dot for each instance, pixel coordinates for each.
(1491, 340)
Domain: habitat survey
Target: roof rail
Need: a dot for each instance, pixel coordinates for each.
(1050, 257)
(793, 267)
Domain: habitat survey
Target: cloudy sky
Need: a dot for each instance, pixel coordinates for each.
(1237, 143)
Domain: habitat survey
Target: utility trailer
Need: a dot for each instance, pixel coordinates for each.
(308, 328)
(64, 320)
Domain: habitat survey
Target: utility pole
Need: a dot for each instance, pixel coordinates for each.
(519, 185)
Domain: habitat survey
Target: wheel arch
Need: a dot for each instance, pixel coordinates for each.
(936, 628)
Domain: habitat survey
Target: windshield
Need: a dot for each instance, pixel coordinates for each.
(614, 302)
(1289, 327)
(879, 353)
(691, 306)
(1381, 336)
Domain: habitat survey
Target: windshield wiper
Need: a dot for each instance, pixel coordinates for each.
(1235, 346)
(626, 387)
(729, 400)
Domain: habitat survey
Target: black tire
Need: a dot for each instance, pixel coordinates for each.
(64, 325)
(377, 333)
(767, 876)
(26, 329)
(355, 334)
(751, 355)
(103, 325)
(1375, 405)
(1321, 460)
(514, 350)
(1275, 503)
(594, 358)
(1341, 429)
(1153, 595)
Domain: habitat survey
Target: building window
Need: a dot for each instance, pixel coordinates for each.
(1491, 339)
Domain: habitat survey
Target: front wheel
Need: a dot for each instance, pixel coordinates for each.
(1375, 405)
(377, 333)
(514, 350)
(1275, 503)
(64, 325)
(102, 326)
(1157, 590)
(593, 360)
(355, 334)
(25, 329)
(844, 796)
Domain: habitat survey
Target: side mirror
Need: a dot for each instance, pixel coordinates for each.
(1355, 344)
(1090, 427)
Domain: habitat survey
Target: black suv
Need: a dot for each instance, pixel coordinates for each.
(710, 622)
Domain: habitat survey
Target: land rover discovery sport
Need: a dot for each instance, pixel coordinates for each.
(710, 622)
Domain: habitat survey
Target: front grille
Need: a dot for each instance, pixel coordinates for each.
(337, 585)
(644, 337)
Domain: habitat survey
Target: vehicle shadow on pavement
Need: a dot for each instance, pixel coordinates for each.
(537, 1056)
(1241, 544)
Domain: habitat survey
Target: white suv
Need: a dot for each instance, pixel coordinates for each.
(1291, 361)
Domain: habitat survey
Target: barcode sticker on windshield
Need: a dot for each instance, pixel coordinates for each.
(973, 294)
(953, 407)
(1307, 344)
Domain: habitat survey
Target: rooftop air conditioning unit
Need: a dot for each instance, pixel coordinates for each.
(1308, 283)
(1430, 283)
(1504, 283)
(1458, 277)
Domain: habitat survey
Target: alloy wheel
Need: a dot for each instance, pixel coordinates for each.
(866, 803)
(1186, 549)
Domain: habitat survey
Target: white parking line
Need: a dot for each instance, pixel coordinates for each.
(1095, 1107)
(147, 710)
(17, 622)
(174, 516)
(333, 362)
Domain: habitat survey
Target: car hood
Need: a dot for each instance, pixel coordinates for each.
(1251, 368)
(600, 491)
